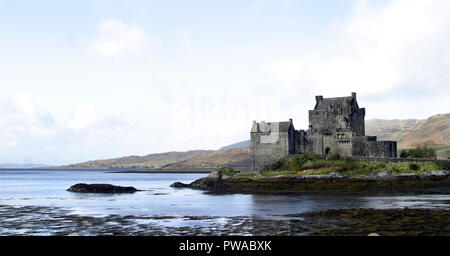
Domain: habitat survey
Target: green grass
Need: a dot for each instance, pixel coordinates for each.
(277, 173)
(226, 171)
(347, 167)
(356, 168)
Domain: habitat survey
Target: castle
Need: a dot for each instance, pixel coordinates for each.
(336, 126)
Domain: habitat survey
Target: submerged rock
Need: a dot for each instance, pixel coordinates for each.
(100, 188)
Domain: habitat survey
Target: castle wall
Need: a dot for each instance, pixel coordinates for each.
(359, 146)
(315, 143)
(357, 122)
(336, 126)
(292, 140)
(344, 148)
(300, 142)
(265, 154)
(382, 148)
(322, 122)
(329, 145)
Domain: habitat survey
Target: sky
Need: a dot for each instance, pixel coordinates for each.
(95, 79)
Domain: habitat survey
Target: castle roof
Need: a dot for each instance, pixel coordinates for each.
(337, 102)
(271, 126)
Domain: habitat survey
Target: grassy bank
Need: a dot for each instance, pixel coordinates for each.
(312, 164)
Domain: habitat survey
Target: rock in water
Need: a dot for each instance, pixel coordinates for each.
(100, 188)
(179, 185)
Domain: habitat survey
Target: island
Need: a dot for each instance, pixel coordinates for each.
(310, 172)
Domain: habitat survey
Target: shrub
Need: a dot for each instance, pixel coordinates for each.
(225, 171)
(404, 154)
(276, 165)
(295, 164)
(309, 156)
(348, 166)
(414, 166)
(317, 164)
(335, 156)
(419, 152)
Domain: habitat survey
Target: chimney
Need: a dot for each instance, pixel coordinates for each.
(354, 95)
(319, 98)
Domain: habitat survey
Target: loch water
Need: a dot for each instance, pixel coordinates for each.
(47, 188)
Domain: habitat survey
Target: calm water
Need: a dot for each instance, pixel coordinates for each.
(48, 188)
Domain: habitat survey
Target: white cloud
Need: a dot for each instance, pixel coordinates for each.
(23, 103)
(116, 37)
(376, 50)
(28, 131)
(83, 117)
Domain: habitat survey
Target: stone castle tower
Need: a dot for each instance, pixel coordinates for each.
(336, 126)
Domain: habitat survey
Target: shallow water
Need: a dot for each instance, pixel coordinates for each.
(47, 188)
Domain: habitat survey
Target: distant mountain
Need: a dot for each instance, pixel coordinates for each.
(236, 157)
(433, 131)
(149, 161)
(392, 129)
(242, 144)
(19, 166)
(412, 132)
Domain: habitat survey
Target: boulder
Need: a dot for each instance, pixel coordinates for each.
(179, 185)
(100, 188)
(214, 174)
(439, 173)
(337, 175)
(384, 174)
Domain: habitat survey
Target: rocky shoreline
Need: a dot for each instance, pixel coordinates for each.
(50, 221)
(433, 182)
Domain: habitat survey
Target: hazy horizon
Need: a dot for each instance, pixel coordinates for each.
(94, 79)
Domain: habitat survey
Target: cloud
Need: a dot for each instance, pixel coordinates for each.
(28, 131)
(376, 50)
(115, 37)
(83, 117)
(21, 112)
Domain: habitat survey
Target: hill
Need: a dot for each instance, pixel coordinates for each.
(242, 144)
(433, 131)
(149, 161)
(236, 157)
(392, 129)
(19, 166)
